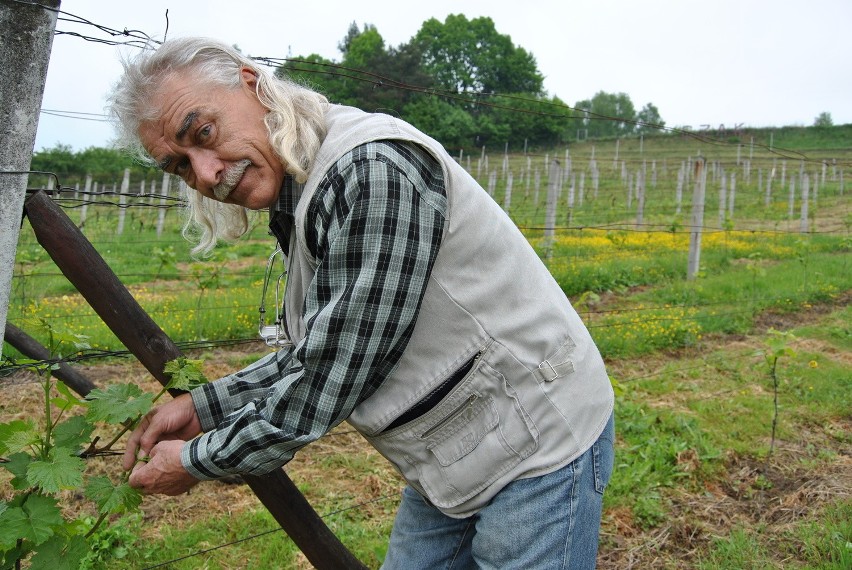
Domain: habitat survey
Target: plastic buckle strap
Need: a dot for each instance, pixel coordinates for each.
(548, 374)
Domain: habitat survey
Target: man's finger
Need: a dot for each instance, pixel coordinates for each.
(130, 452)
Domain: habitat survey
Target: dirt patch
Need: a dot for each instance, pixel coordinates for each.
(772, 496)
(785, 320)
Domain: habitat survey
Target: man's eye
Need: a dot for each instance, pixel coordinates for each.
(204, 132)
(181, 166)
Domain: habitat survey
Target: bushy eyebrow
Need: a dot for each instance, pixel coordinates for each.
(181, 132)
(187, 123)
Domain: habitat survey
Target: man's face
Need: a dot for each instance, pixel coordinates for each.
(215, 139)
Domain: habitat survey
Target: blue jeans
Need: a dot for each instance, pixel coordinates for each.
(543, 522)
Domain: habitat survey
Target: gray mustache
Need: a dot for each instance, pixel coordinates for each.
(230, 179)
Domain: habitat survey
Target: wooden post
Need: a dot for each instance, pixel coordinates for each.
(629, 191)
(723, 195)
(681, 174)
(164, 191)
(87, 270)
(552, 198)
(567, 166)
(122, 200)
(768, 197)
(87, 196)
(697, 221)
(640, 197)
(492, 183)
(815, 192)
(536, 186)
(507, 197)
(31, 348)
(804, 216)
(791, 198)
(732, 192)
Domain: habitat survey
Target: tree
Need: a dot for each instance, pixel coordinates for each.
(608, 114)
(315, 72)
(102, 163)
(471, 56)
(648, 119)
(537, 121)
(441, 120)
(823, 120)
(362, 47)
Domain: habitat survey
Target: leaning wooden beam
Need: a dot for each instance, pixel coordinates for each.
(87, 270)
(31, 348)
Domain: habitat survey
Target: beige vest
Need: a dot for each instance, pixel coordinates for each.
(537, 395)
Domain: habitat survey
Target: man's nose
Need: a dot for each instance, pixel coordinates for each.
(208, 170)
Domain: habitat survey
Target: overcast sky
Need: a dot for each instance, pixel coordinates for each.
(711, 62)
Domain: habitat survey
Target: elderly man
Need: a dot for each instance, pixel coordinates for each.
(416, 310)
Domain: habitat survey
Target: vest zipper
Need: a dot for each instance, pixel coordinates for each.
(466, 405)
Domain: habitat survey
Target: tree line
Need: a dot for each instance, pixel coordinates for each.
(70, 166)
(460, 81)
(465, 84)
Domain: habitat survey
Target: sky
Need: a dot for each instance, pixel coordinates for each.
(703, 64)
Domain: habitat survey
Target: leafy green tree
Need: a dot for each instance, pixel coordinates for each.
(60, 159)
(823, 120)
(102, 163)
(608, 114)
(441, 120)
(537, 121)
(362, 48)
(649, 119)
(471, 56)
(318, 73)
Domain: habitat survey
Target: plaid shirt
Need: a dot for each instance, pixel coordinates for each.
(374, 225)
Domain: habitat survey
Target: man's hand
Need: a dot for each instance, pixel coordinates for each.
(163, 473)
(176, 420)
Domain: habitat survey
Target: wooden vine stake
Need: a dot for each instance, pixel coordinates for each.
(85, 268)
(697, 220)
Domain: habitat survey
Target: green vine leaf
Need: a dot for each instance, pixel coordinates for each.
(67, 398)
(62, 470)
(73, 432)
(118, 403)
(17, 436)
(186, 373)
(10, 556)
(17, 464)
(111, 498)
(34, 521)
(60, 553)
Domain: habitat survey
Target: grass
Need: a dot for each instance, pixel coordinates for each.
(694, 485)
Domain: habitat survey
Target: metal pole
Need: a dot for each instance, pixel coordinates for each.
(26, 36)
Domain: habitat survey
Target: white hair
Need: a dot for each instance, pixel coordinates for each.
(295, 121)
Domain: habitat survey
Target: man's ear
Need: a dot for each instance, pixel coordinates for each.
(249, 78)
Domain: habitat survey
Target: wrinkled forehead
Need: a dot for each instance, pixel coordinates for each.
(171, 105)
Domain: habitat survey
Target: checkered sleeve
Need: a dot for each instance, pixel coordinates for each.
(375, 226)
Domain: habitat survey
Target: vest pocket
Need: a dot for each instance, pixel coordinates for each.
(472, 438)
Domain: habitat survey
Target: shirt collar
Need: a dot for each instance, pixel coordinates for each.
(282, 213)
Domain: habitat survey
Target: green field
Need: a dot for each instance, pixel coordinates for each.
(700, 481)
